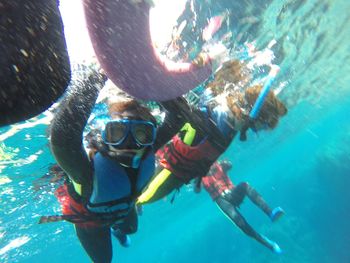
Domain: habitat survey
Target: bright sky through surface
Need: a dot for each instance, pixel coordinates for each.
(77, 37)
(162, 19)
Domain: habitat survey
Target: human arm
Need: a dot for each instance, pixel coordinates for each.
(174, 120)
(68, 124)
(34, 62)
(178, 112)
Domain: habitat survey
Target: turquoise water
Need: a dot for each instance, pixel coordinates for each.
(302, 166)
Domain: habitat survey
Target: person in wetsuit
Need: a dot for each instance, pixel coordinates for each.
(103, 184)
(209, 130)
(229, 197)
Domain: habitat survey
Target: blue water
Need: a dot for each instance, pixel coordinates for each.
(302, 166)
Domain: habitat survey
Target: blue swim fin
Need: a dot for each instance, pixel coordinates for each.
(274, 246)
(276, 214)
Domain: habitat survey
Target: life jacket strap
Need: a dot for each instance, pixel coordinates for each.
(190, 133)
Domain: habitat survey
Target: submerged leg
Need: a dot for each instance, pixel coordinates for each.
(254, 196)
(129, 226)
(233, 214)
(130, 223)
(96, 242)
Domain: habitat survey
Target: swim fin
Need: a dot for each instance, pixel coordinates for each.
(276, 214)
(273, 246)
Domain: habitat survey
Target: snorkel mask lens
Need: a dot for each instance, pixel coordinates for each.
(143, 133)
(115, 132)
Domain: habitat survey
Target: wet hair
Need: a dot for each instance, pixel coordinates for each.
(231, 81)
(272, 107)
(231, 72)
(133, 107)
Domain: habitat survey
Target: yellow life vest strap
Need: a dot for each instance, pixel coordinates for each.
(153, 186)
(190, 133)
(77, 187)
(160, 178)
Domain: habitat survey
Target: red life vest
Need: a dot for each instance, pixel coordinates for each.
(75, 209)
(187, 162)
(217, 182)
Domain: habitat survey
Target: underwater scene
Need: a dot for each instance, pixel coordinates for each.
(303, 165)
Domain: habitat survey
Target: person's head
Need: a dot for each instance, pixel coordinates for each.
(127, 131)
(131, 126)
(271, 110)
(268, 116)
(229, 83)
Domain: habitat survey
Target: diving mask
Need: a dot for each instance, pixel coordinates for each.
(116, 131)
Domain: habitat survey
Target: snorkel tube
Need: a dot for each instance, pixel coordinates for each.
(260, 101)
(263, 93)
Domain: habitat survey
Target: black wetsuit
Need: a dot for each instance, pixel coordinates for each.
(34, 62)
(230, 202)
(229, 198)
(66, 144)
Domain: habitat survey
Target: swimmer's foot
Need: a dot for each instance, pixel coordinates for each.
(276, 214)
(123, 238)
(273, 246)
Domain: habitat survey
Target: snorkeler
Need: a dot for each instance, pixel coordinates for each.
(224, 112)
(34, 64)
(229, 198)
(103, 185)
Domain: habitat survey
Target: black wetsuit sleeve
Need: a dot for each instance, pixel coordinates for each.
(203, 123)
(178, 112)
(67, 128)
(34, 62)
(173, 122)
